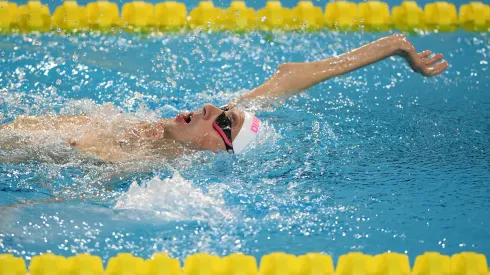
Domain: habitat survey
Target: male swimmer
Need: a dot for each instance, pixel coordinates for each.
(211, 128)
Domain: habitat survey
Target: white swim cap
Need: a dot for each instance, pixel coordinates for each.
(247, 134)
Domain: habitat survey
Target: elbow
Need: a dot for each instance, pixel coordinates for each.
(284, 71)
(285, 68)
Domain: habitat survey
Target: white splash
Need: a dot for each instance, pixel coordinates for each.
(174, 199)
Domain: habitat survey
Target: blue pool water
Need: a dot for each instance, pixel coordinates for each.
(378, 160)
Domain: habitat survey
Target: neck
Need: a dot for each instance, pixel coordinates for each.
(156, 130)
(166, 127)
(161, 138)
(159, 127)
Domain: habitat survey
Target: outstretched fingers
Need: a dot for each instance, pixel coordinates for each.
(425, 54)
(431, 65)
(425, 63)
(433, 59)
(438, 68)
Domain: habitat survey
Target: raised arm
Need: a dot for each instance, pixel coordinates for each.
(292, 78)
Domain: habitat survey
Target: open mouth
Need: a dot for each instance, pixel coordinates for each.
(185, 117)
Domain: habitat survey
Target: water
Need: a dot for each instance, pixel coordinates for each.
(378, 160)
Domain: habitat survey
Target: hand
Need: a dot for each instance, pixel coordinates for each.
(427, 65)
(423, 62)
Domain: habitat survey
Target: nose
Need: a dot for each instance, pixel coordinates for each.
(211, 112)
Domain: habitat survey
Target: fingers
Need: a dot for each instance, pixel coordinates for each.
(425, 54)
(433, 59)
(436, 69)
(428, 65)
(439, 68)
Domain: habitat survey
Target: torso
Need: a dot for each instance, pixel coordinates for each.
(113, 140)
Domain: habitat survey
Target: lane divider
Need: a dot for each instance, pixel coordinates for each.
(408, 16)
(70, 16)
(140, 16)
(354, 263)
(441, 16)
(103, 15)
(341, 15)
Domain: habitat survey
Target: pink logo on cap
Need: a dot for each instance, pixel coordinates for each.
(255, 125)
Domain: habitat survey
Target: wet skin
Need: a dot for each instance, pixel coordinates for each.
(123, 139)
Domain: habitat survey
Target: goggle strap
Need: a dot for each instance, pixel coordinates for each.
(223, 136)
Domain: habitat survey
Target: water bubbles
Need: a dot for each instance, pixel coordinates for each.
(172, 82)
(312, 175)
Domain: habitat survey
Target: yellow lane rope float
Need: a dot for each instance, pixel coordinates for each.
(355, 263)
(140, 16)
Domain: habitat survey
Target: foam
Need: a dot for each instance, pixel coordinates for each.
(174, 198)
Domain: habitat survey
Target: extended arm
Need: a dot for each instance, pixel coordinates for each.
(292, 78)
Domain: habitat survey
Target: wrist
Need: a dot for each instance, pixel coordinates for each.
(402, 46)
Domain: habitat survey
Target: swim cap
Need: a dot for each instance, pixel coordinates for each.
(247, 134)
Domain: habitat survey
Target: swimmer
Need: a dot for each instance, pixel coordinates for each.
(226, 128)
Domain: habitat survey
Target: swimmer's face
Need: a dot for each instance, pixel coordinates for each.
(195, 129)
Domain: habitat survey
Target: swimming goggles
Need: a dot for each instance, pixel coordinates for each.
(222, 125)
(246, 135)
